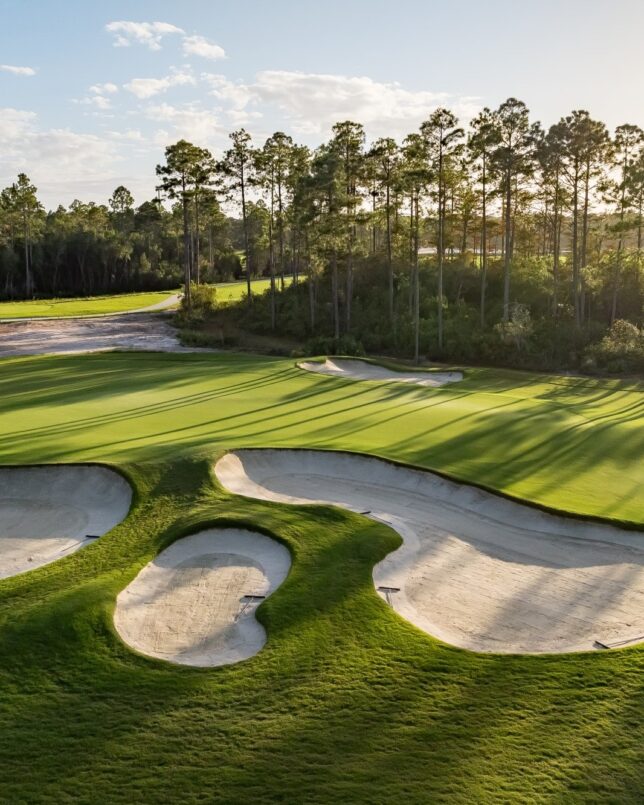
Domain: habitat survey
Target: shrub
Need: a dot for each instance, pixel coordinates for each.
(345, 345)
(620, 350)
(203, 305)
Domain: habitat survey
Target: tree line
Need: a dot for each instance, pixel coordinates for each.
(506, 218)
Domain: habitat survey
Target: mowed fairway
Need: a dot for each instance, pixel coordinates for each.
(347, 702)
(83, 306)
(227, 292)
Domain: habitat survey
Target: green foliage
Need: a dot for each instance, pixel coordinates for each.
(345, 345)
(621, 350)
(518, 329)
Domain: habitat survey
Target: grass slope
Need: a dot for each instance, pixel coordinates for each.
(228, 292)
(116, 303)
(347, 702)
(85, 306)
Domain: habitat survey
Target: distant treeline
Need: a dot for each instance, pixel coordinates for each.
(504, 223)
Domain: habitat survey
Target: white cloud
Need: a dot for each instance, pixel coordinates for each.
(148, 87)
(97, 101)
(104, 89)
(62, 163)
(14, 124)
(235, 93)
(129, 135)
(149, 34)
(313, 102)
(12, 68)
(189, 121)
(200, 46)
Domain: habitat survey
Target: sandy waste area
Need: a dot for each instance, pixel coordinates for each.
(146, 332)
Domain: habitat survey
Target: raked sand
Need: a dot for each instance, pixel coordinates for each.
(195, 603)
(475, 570)
(362, 370)
(49, 512)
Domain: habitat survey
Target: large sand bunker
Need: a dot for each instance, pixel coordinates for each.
(195, 603)
(362, 370)
(475, 569)
(50, 512)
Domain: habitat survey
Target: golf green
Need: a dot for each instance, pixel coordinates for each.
(347, 702)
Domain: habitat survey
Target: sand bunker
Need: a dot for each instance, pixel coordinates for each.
(476, 570)
(195, 603)
(361, 370)
(50, 512)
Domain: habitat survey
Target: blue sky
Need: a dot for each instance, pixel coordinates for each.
(90, 93)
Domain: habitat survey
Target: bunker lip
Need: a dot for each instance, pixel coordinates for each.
(195, 603)
(50, 511)
(476, 570)
(363, 370)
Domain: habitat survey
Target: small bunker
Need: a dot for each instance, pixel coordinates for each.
(195, 603)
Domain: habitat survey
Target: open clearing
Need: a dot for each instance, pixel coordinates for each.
(195, 603)
(475, 569)
(50, 512)
(363, 370)
(346, 701)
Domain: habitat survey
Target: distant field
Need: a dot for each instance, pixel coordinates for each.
(234, 291)
(85, 306)
(118, 303)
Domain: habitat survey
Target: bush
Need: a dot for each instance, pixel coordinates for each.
(203, 305)
(345, 345)
(620, 350)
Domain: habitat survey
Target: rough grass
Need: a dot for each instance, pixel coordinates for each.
(85, 306)
(347, 702)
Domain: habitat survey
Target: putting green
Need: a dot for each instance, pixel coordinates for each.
(346, 702)
(569, 443)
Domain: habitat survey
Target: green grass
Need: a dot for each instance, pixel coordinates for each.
(347, 703)
(117, 303)
(85, 306)
(228, 292)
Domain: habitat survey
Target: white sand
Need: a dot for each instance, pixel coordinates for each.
(122, 331)
(47, 512)
(362, 370)
(475, 570)
(189, 604)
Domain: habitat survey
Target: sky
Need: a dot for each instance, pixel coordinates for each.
(92, 93)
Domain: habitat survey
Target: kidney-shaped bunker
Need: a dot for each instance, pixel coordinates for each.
(49, 512)
(475, 569)
(194, 604)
